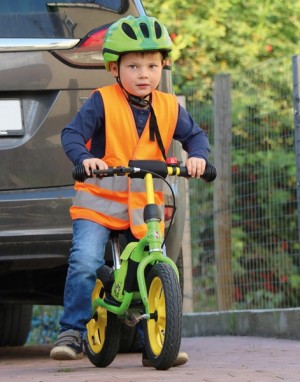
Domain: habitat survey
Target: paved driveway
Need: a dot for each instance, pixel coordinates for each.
(212, 359)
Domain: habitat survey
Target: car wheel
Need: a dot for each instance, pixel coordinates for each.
(15, 324)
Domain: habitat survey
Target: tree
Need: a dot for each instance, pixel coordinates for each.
(225, 35)
(254, 42)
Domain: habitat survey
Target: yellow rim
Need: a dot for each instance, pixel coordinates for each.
(96, 326)
(157, 305)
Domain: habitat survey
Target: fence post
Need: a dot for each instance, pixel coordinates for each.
(222, 190)
(296, 100)
(186, 243)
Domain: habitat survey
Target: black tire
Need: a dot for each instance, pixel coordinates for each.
(179, 264)
(103, 330)
(15, 324)
(163, 331)
(131, 341)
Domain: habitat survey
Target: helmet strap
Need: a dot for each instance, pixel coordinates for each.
(154, 131)
(134, 100)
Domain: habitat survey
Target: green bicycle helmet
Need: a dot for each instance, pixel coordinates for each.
(135, 34)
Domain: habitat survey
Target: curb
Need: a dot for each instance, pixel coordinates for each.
(278, 323)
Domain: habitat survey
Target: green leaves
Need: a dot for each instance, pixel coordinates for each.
(225, 36)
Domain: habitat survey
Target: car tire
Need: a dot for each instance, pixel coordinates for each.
(15, 324)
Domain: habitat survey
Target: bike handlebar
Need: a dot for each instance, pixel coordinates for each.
(138, 169)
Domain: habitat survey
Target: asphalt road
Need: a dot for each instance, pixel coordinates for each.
(211, 359)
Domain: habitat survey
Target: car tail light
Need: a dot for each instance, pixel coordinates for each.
(88, 53)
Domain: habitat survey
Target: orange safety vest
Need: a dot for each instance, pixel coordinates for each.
(118, 202)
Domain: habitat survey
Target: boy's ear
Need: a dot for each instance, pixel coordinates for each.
(114, 68)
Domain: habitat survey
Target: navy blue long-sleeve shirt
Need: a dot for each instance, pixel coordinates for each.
(89, 123)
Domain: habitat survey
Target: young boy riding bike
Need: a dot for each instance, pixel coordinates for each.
(120, 122)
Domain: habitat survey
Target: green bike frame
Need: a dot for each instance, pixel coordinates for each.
(136, 253)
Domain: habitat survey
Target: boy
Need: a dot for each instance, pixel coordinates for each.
(127, 120)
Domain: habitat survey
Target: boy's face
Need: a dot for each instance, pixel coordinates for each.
(140, 73)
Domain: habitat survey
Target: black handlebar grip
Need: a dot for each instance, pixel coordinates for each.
(79, 173)
(209, 175)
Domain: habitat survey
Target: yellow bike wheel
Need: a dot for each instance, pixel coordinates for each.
(103, 330)
(157, 327)
(97, 325)
(162, 331)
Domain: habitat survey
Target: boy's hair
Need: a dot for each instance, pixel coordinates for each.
(164, 55)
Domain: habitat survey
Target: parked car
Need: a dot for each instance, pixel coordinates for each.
(50, 62)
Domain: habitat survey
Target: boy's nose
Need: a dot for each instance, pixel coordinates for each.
(143, 72)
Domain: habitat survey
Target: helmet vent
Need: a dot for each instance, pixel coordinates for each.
(157, 29)
(145, 30)
(129, 31)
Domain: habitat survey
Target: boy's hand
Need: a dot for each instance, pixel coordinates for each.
(195, 166)
(91, 164)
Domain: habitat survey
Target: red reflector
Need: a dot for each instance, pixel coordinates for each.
(168, 213)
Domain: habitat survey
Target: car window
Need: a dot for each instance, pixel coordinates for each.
(49, 19)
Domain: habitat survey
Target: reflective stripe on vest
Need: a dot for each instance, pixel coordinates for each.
(98, 197)
(123, 144)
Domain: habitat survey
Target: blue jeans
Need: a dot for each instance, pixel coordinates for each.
(86, 256)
